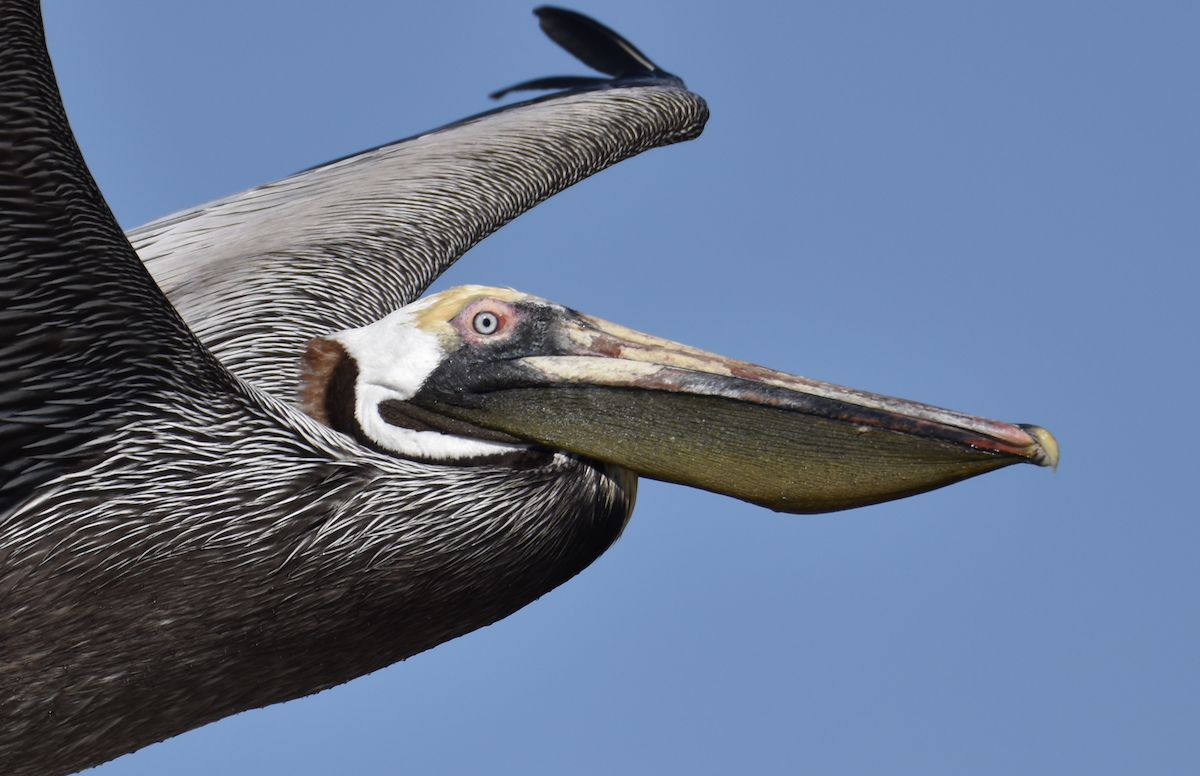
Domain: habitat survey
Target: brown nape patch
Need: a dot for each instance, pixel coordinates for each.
(317, 368)
(328, 375)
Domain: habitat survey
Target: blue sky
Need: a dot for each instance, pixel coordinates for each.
(993, 207)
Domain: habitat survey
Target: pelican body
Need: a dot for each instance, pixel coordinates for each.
(269, 469)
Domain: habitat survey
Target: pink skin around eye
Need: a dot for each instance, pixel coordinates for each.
(506, 318)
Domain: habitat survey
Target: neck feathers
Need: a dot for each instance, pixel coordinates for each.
(327, 378)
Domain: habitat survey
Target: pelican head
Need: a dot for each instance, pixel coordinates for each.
(476, 374)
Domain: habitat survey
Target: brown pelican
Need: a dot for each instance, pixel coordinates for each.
(179, 542)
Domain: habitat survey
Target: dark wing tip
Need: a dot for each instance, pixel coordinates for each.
(596, 46)
(551, 83)
(592, 43)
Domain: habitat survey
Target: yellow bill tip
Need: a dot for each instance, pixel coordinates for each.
(1047, 443)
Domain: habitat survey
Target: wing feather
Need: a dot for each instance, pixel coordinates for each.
(258, 274)
(85, 335)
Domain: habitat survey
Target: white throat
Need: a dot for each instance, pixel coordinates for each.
(395, 357)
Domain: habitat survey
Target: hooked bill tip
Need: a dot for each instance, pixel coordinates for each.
(1047, 443)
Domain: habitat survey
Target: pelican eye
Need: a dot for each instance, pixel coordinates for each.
(486, 322)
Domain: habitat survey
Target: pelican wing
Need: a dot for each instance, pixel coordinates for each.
(258, 274)
(84, 331)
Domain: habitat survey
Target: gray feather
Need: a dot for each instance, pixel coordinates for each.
(258, 274)
(177, 545)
